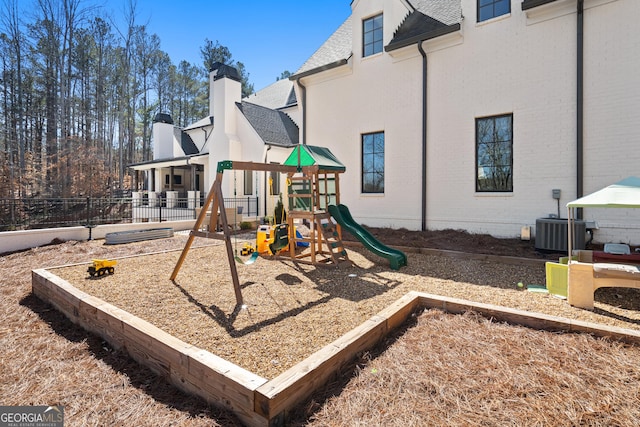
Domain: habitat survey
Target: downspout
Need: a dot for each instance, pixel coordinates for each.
(266, 180)
(580, 105)
(303, 92)
(424, 136)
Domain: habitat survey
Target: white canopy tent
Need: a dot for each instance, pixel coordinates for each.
(622, 194)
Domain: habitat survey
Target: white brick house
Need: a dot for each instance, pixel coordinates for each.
(406, 93)
(259, 128)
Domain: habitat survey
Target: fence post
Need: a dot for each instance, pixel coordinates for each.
(89, 226)
(88, 211)
(160, 211)
(13, 213)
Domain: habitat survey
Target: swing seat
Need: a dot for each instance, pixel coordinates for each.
(254, 256)
(280, 238)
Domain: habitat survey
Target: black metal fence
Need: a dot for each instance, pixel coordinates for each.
(25, 214)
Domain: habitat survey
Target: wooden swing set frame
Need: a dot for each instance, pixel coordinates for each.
(215, 200)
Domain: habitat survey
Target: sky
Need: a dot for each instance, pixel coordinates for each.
(268, 37)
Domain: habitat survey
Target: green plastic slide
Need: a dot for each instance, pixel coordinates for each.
(343, 217)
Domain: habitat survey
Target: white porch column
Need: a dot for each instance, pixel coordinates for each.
(193, 199)
(172, 196)
(136, 197)
(153, 199)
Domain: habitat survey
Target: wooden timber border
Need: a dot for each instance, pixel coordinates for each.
(256, 400)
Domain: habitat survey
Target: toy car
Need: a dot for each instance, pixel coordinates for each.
(101, 267)
(247, 249)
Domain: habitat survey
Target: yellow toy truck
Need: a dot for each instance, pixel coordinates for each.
(101, 267)
(247, 249)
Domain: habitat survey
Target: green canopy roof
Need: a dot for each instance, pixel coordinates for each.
(309, 155)
(622, 194)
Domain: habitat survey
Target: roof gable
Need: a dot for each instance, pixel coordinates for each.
(277, 95)
(335, 50)
(186, 143)
(419, 27)
(414, 25)
(429, 19)
(274, 127)
(448, 12)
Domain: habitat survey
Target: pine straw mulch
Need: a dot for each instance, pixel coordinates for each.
(47, 360)
(461, 370)
(293, 309)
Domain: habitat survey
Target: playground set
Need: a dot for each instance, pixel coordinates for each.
(313, 180)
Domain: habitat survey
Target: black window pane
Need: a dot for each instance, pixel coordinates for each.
(372, 36)
(486, 130)
(503, 128)
(367, 144)
(488, 9)
(485, 13)
(378, 161)
(502, 8)
(373, 163)
(377, 35)
(378, 140)
(494, 153)
(483, 155)
(368, 50)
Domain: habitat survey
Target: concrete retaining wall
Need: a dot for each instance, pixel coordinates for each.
(11, 241)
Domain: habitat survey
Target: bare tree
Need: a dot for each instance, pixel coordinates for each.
(14, 41)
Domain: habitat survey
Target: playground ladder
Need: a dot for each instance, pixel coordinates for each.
(332, 239)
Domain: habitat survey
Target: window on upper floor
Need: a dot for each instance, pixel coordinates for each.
(373, 162)
(372, 36)
(488, 9)
(494, 153)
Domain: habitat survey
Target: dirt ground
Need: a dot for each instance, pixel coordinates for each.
(45, 359)
(456, 240)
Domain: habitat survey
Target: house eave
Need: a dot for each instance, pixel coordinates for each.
(279, 144)
(164, 163)
(200, 124)
(530, 4)
(422, 37)
(320, 69)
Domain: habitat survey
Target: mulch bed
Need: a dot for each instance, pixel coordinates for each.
(45, 359)
(460, 370)
(294, 309)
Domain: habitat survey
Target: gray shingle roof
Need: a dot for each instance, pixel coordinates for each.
(277, 95)
(274, 127)
(430, 18)
(448, 12)
(414, 26)
(335, 49)
(187, 144)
